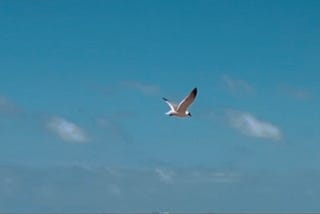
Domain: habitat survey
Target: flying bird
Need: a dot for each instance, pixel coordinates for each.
(181, 110)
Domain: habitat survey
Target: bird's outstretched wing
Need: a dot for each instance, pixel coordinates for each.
(170, 104)
(186, 102)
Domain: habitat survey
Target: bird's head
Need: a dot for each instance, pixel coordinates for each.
(188, 113)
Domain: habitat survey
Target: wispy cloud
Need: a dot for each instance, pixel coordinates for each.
(139, 188)
(114, 189)
(148, 89)
(249, 125)
(165, 175)
(237, 85)
(115, 128)
(190, 175)
(296, 93)
(7, 106)
(213, 176)
(56, 183)
(66, 130)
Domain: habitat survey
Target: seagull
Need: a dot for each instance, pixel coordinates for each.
(181, 110)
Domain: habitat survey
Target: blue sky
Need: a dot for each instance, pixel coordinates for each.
(82, 123)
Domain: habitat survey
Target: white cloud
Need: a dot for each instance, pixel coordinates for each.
(247, 124)
(237, 85)
(67, 130)
(147, 89)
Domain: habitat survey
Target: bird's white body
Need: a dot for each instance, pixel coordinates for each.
(181, 110)
(177, 113)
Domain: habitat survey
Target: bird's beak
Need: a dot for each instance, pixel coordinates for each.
(190, 115)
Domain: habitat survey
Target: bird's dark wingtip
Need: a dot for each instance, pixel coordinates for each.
(165, 99)
(195, 91)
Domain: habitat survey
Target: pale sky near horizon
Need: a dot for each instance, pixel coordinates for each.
(83, 126)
